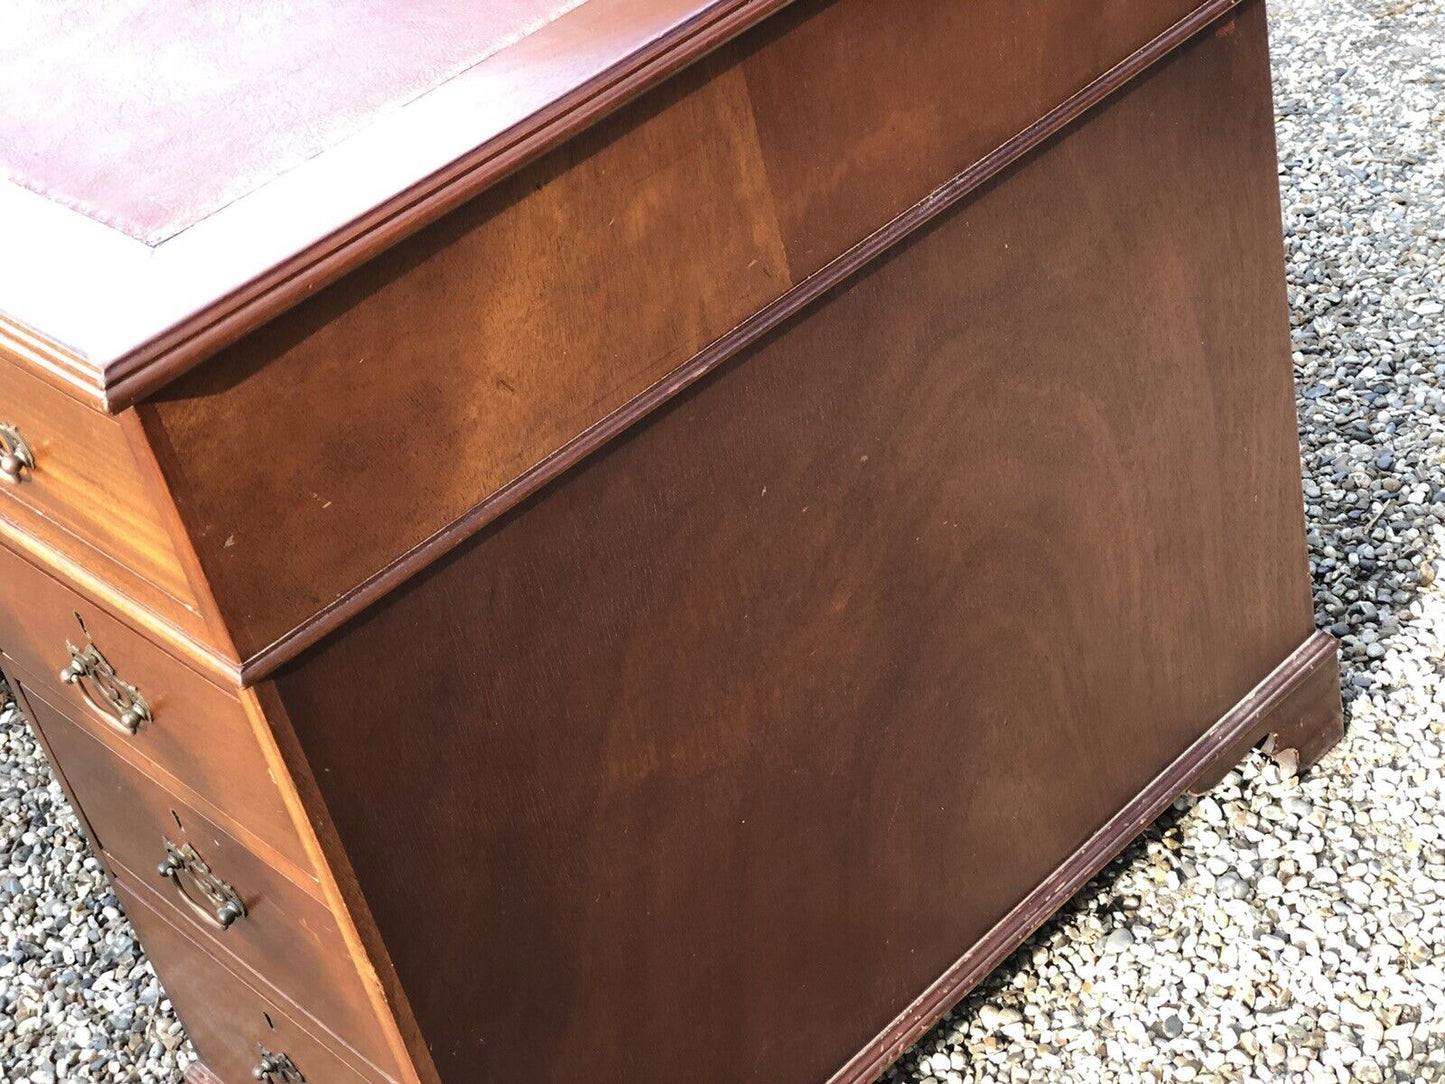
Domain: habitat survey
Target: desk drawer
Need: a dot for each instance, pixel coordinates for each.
(69, 476)
(232, 1026)
(229, 899)
(196, 736)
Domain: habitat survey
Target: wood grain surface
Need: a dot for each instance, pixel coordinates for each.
(412, 1057)
(1297, 702)
(469, 355)
(372, 418)
(742, 733)
(863, 108)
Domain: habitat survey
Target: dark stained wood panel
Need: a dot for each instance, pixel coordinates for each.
(915, 92)
(736, 737)
(398, 400)
(425, 381)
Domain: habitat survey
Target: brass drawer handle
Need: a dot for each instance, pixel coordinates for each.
(277, 1069)
(15, 455)
(117, 702)
(219, 904)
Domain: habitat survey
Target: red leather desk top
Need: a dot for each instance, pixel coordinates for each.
(149, 115)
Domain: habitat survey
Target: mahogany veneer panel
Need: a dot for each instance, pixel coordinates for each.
(741, 733)
(470, 353)
(375, 415)
(862, 108)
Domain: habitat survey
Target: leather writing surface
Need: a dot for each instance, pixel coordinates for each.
(149, 115)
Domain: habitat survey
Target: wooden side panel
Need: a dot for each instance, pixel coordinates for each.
(377, 414)
(721, 749)
(366, 421)
(914, 93)
(410, 1053)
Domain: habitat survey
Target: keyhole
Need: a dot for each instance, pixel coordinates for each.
(269, 1024)
(177, 818)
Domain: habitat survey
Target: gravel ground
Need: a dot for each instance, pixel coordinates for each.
(1279, 929)
(80, 1001)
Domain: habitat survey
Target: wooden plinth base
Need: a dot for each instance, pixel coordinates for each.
(1298, 703)
(1298, 706)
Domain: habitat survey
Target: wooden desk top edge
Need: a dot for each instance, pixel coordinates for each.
(109, 319)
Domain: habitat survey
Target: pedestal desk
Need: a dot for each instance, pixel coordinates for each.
(581, 539)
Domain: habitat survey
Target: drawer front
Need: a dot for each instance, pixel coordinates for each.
(229, 900)
(232, 1026)
(192, 732)
(68, 475)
